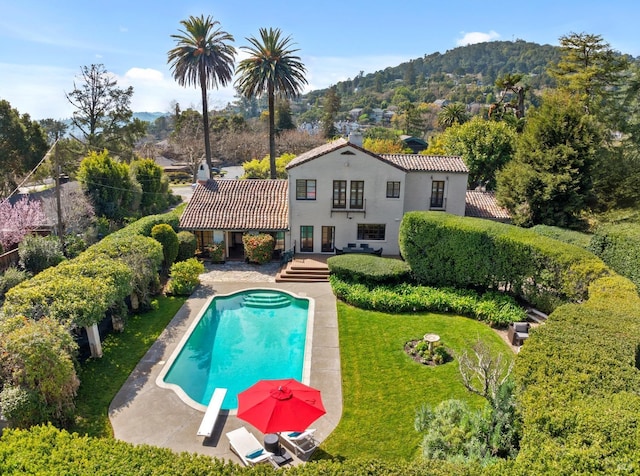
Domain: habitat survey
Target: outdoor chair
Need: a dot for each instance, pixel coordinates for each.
(248, 448)
(518, 332)
(302, 443)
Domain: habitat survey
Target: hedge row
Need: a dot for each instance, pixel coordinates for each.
(369, 269)
(619, 246)
(447, 250)
(45, 451)
(579, 378)
(494, 308)
(562, 234)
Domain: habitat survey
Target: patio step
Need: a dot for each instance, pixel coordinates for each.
(536, 316)
(304, 271)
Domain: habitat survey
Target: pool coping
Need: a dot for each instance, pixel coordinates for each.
(306, 357)
(144, 413)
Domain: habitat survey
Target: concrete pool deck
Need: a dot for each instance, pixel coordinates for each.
(144, 413)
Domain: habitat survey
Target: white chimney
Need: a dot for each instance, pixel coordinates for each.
(355, 138)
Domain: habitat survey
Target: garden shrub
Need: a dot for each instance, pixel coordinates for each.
(369, 269)
(11, 277)
(39, 252)
(168, 238)
(216, 252)
(187, 245)
(618, 245)
(493, 308)
(258, 248)
(447, 250)
(38, 371)
(184, 276)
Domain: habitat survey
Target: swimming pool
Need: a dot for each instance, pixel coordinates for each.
(238, 339)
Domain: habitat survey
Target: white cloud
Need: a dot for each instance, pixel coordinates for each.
(474, 37)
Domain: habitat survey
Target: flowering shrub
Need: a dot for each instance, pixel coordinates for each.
(258, 248)
(216, 252)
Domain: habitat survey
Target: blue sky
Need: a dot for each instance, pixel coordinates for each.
(44, 43)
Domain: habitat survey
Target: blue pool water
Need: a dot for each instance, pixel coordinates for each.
(240, 339)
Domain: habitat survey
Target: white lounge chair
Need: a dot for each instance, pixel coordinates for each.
(300, 442)
(248, 448)
(213, 410)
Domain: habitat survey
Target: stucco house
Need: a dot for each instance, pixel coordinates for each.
(336, 194)
(340, 193)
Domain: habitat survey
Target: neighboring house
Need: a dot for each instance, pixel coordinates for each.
(481, 204)
(340, 193)
(416, 144)
(336, 194)
(224, 210)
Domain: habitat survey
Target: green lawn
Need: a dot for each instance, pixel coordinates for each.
(382, 386)
(101, 379)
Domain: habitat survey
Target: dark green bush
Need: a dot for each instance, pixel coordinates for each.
(369, 269)
(187, 245)
(619, 246)
(39, 252)
(447, 250)
(168, 238)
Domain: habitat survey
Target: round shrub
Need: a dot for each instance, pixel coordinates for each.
(369, 269)
(168, 238)
(187, 245)
(183, 276)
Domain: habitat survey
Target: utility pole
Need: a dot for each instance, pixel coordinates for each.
(57, 171)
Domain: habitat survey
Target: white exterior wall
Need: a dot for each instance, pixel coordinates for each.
(318, 212)
(418, 191)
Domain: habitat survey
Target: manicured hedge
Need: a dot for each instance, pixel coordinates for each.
(562, 234)
(619, 246)
(448, 250)
(579, 378)
(45, 450)
(362, 268)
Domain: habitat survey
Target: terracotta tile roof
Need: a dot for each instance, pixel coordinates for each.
(238, 205)
(481, 204)
(427, 163)
(317, 152)
(406, 162)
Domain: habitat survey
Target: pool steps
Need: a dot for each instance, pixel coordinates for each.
(266, 300)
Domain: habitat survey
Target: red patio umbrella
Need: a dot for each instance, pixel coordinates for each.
(273, 406)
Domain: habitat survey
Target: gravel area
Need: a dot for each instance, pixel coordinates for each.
(239, 271)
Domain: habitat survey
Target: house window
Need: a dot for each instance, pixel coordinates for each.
(328, 238)
(339, 194)
(437, 194)
(278, 238)
(393, 189)
(370, 231)
(305, 189)
(306, 239)
(356, 198)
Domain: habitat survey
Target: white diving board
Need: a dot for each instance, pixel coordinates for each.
(213, 410)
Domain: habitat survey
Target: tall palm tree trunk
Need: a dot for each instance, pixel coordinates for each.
(205, 119)
(272, 133)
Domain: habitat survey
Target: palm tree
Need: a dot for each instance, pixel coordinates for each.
(454, 113)
(203, 57)
(271, 68)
